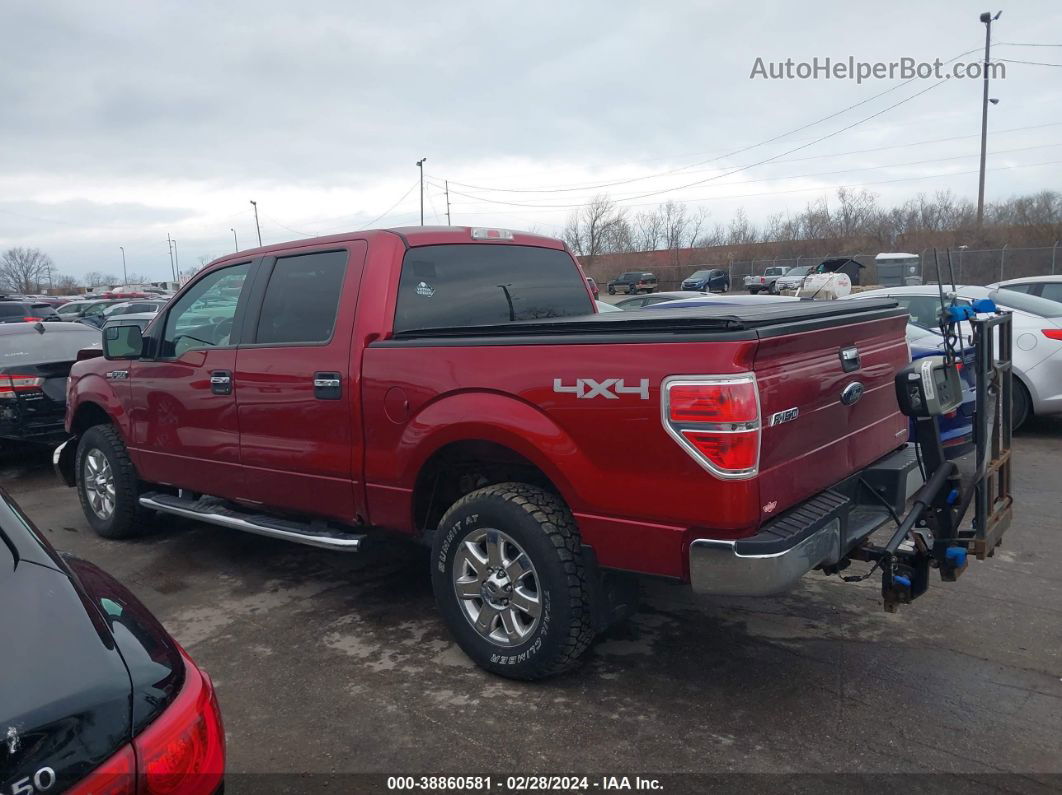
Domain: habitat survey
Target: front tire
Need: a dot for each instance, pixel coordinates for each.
(1020, 404)
(107, 484)
(509, 580)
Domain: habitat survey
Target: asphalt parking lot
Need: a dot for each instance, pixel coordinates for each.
(332, 664)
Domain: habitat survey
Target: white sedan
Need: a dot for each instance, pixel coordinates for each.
(1037, 325)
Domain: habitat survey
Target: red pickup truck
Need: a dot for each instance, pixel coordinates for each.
(456, 386)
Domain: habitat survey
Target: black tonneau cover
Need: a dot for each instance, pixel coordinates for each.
(731, 320)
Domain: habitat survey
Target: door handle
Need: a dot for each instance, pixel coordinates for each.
(327, 386)
(221, 382)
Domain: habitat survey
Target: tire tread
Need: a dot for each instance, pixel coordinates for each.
(556, 521)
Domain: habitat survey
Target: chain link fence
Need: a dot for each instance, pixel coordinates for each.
(983, 266)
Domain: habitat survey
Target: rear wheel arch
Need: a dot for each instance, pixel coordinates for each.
(460, 467)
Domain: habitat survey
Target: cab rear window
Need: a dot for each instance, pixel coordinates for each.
(476, 285)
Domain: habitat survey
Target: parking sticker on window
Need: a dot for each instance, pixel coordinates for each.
(425, 289)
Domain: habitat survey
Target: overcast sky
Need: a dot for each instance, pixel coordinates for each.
(122, 122)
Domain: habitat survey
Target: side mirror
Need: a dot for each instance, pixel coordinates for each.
(123, 342)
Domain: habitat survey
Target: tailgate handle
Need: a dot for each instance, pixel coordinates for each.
(221, 382)
(849, 359)
(327, 386)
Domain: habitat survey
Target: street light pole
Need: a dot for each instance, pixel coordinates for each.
(420, 165)
(125, 275)
(256, 226)
(169, 243)
(234, 240)
(176, 264)
(987, 18)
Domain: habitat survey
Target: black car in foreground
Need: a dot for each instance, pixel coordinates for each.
(35, 360)
(95, 696)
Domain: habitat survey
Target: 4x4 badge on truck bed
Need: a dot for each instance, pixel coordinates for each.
(610, 388)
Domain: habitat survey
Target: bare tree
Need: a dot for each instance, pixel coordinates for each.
(67, 283)
(94, 279)
(588, 230)
(23, 269)
(648, 231)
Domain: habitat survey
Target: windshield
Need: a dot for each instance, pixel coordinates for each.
(801, 271)
(475, 285)
(701, 275)
(1033, 304)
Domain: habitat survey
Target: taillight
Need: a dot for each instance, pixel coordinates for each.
(32, 319)
(716, 419)
(13, 385)
(1053, 333)
(183, 751)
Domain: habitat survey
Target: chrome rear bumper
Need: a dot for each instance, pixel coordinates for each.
(716, 567)
(818, 532)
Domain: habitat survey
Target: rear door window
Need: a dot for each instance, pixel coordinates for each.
(477, 284)
(1052, 291)
(302, 298)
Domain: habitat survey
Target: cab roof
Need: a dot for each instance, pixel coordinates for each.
(412, 236)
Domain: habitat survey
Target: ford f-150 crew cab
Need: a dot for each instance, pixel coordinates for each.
(456, 385)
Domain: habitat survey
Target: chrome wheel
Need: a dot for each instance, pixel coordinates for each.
(98, 479)
(497, 587)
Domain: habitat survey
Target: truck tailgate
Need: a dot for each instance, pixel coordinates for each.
(842, 420)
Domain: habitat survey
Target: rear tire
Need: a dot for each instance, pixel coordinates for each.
(509, 580)
(611, 290)
(107, 484)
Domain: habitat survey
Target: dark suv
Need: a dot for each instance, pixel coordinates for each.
(26, 312)
(713, 280)
(633, 282)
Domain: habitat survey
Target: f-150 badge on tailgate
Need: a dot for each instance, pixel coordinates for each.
(610, 388)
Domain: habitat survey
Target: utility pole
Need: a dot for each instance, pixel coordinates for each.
(446, 183)
(169, 243)
(176, 264)
(234, 240)
(256, 226)
(125, 274)
(420, 165)
(987, 18)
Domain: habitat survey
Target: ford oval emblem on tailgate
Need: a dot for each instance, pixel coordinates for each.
(851, 393)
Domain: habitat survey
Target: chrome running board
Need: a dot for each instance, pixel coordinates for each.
(215, 511)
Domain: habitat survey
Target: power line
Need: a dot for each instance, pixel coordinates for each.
(829, 173)
(1025, 44)
(1030, 63)
(861, 151)
(717, 157)
(816, 189)
(389, 209)
(732, 171)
